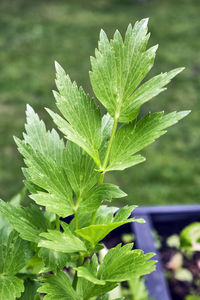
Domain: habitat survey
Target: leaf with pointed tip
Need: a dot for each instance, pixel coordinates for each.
(85, 286)
(104, 214)
(96, 233)
(28, 221)
(61, 241)
(83, 125)
(48, 143)
(57, 287)
(125, 163)
(85, 273)
(80, 169)
(103, 192)
(148, 90)
(132, 138)
(50, 176)
(119, 67)
(124, 212)
(123, 263)
(11, 287)
(54, 260)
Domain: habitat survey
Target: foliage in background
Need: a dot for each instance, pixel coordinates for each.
(36, 33)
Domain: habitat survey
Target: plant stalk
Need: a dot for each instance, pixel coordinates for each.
(57, 223)
(106, 159)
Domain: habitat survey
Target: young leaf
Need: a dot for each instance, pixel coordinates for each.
(85, 273)
(28, 221)
(103, 192)
(119, 67)
(80, 169)
(57, 287)
(190, 237)
(132, 138)
(123, 263)
(61, 241)
(83, 125)
(45, 173)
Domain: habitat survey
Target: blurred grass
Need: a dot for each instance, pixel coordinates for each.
(35, 33)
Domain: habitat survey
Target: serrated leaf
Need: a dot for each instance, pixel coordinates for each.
(28, 221)
(14, 252)
(103, 192)
(57, 287)
(124, 212)
(80, 169)
(132, 138)
(123, 263)
(125, 163)
(96, 233)
(86, 288)
(45, 173)
(119, 67)
(85, 273)
(105, 214)
(61, 241)
(54, 260)
(83, 125)
(11, 287)
(148, 90)
(48, 143)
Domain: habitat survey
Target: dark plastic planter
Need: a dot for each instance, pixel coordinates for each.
(166, 220)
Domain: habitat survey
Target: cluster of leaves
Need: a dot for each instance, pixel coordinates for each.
(67, 179)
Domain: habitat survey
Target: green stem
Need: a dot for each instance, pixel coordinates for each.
(75, 279)
(57, 223)
(105, 162)
(76, 220)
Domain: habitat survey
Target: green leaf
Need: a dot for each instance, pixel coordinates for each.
(85, 273)
(57, 287)
(190, 237)
(61, 241)
(48, 143)
(11, 287)
(123, 263)
(103, 192)
(123, 213)
(80, 169)
(132, 138)
(28, 221)
(14, 252)
(125, 163)
(85, 287)
(119, 67)
(45, 173)
(83, 125)
(54, 260)
(148, 90)
(106, 129)
(30, 292)
(14, 255)
(96, 233)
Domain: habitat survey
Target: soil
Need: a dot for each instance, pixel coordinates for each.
(180, 289)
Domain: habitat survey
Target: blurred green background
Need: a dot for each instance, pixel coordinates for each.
(35, 33)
